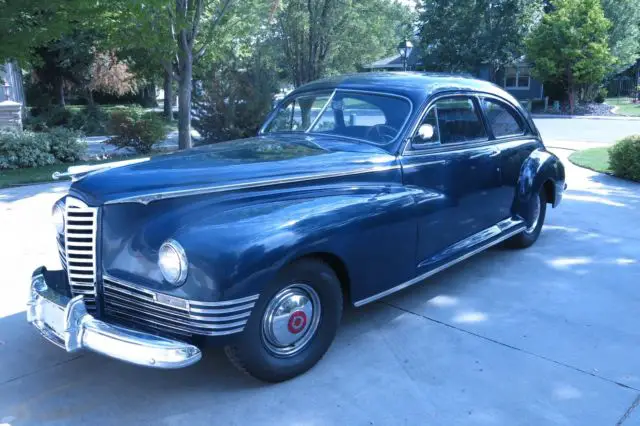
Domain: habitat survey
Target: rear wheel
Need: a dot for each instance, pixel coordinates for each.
(538, 213)
(292, 325)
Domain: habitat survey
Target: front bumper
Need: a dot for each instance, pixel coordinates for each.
(65, 322)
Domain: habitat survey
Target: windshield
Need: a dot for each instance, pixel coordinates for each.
(370, 117)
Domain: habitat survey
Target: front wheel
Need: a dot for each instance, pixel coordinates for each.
(532, 232)
(292, 325)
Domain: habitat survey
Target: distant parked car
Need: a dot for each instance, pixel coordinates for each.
(356, 187)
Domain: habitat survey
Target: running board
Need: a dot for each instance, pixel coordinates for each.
(509, 228)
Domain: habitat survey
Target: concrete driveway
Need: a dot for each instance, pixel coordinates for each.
(547, 335)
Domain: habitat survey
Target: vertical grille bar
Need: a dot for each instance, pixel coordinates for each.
(80, 249)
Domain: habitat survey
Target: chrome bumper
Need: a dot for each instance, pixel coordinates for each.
(65, 322)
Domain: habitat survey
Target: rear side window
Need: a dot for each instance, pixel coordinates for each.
(502, 119)
(459, 120)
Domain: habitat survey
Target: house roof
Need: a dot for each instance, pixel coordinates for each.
(395, 61)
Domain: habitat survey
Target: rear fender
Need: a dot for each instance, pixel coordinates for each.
(540, 169)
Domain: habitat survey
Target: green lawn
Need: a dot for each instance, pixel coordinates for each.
(625, 106)
(15, 177)
(593, 158)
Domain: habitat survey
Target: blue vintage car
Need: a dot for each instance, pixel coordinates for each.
(355, 187)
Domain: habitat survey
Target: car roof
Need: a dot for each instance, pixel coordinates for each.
(415, 85)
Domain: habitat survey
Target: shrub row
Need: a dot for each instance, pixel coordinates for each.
(30, 149)
(91, 120)
(132, 127)
(624, 158)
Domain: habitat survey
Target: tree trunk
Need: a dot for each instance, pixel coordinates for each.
(572, 91)
(184, 101)
(90, 102)
(60, 91)
(168, 96)
(148, 96)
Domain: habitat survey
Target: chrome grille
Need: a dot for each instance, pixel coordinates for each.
(79, 249)
(136, 304)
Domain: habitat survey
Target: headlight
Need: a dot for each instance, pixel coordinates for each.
(57, 214)
(172, 261)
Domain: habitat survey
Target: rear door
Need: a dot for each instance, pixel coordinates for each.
(458, 171)
(513, 139)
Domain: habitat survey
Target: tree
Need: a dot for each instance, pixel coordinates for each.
(372, 31)
(110, 75)
(181, 33)
(571, 45)
(624, 34)
(27, 25)
(320, 37)
(461, 35)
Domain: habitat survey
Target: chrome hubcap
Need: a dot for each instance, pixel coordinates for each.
(535, 212)
(291, 320)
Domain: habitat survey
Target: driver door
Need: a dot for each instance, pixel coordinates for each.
(457, 167)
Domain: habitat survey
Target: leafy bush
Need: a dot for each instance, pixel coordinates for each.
(24, 149)
(42, 119)
(66, 145)
(233, 103)
(30, 149)
(624, 158)
(135, 129)
(601, 95)
(91, 120)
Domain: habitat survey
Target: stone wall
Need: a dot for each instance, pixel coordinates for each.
(10, 115)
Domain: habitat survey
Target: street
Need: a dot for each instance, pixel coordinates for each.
(546, 335)
(589, 130)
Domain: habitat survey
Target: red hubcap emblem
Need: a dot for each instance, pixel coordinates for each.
(297, 322)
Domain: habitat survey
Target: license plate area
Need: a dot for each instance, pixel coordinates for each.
(51, 321)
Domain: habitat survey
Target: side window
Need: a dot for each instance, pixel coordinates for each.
(504, 122)
(459, 120)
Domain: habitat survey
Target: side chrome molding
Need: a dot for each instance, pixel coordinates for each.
(516, 228)
(148, 198)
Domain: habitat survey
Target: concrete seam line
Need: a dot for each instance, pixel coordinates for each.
(22, 376)
(629, 411)
(489, 339)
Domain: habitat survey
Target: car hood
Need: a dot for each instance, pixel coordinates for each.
(256, 162)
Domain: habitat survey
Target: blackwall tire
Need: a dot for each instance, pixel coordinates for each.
(530, 235)
(292, 325)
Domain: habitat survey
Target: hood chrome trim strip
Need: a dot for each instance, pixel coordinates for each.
(148, 198)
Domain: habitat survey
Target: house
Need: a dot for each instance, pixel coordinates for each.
(11, 88)
(515, 79)
(11, 96)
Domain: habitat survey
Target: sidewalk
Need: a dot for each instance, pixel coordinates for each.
(587, 117)
(573, 145)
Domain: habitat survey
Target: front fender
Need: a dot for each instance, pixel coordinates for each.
(237, 252)
(540, 169)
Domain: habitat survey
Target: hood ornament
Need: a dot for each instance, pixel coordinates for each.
(78, 172)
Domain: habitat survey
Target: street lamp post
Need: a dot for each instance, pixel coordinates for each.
(404, 48)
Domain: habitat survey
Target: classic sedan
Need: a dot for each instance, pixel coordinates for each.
(355, 187)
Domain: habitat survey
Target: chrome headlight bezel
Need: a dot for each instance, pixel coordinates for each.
(57, 216)
(173, 262)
